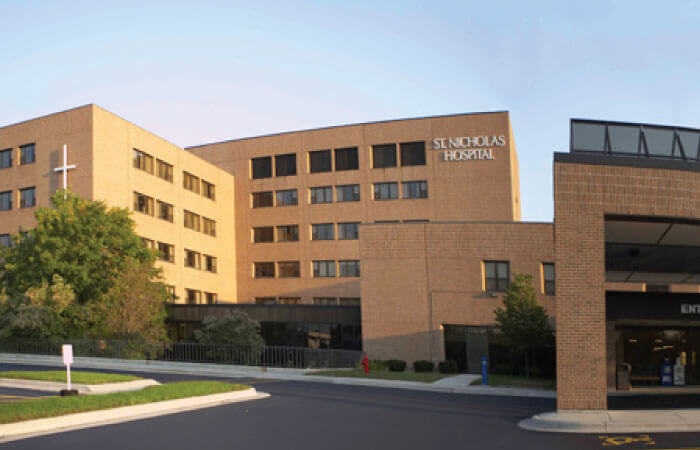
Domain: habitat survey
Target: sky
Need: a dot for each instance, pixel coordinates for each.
(201, 71)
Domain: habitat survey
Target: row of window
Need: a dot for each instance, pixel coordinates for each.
(27, 155)
(342, 301)
(343, 193)
(144, 161)
(193, 259)
(196, 297)
(497, 277)
(157, 208)
(319, 232)
(319, 269)
(26, 198)
(319, 161)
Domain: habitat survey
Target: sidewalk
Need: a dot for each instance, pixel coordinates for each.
(458, 384)
(629, 421)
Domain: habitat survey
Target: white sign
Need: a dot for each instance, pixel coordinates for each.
(464, 148)
(689, 308)
(67, 352)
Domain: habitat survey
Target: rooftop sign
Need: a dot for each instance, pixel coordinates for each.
(464, 148)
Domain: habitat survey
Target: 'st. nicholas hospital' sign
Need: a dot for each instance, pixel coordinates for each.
(468, 147)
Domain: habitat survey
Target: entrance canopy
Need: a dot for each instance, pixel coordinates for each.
(658, 251)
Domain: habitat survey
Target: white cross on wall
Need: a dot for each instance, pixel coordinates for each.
(65, 168)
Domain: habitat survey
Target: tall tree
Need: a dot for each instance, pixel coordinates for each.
(522, 322)
(85, 242)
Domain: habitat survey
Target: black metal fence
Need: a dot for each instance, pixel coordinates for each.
(269, 356)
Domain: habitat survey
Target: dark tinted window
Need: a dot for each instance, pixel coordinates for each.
(321, 195)
(413, 154)
(262, 199)
(6, 158)
(386, 191)
(27, 154)
(346, 159)
(5, 200)
(348, 193)
(384, 155)
(415, 189)
(548, 278)
(322, 232)
(286, 165)
(264, 270)
(263, 234)
(497, 275)
(287, 233)
(287, 197)
(262, 167)
(320, 161)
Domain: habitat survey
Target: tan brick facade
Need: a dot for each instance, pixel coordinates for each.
(583, 195)
(419, 277)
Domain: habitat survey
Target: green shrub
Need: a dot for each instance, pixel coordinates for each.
(502, 369)
(423, 366)
(396, 365)
(448, 366)
(377, 365)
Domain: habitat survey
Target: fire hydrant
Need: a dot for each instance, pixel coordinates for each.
(365, 364)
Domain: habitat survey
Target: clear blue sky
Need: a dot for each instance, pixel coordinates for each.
(202, 71)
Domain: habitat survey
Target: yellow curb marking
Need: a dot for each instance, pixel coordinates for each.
(609, 441)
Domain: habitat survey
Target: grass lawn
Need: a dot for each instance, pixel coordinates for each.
(425, 377)
(75, 376)
(513, 381)
(58, 406)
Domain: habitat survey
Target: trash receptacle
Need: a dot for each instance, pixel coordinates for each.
(623, 377)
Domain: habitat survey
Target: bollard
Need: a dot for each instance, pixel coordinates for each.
(484, 371)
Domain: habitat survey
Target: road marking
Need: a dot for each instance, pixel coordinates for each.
(609, 441)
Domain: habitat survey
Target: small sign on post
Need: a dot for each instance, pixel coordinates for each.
(67, 352)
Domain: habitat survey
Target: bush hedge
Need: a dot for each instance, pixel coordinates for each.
(448, 366)
(396, 365)
(423, 366)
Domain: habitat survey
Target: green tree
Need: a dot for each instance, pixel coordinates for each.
(233, 328)
(135, 306)
(522, 322)
(88, 244)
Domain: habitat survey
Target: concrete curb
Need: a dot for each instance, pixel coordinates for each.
(631, 421)
(105, 388)
(38, 427)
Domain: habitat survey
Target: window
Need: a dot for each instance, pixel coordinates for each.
(322, 232)
(285, 165)
(143, 161)
(208, 190)
(194, 297)
(262, 199)
(190, 182)
(263, 234)
(27, 154)
(496, 275)
(412, 153)
(323, 269)
(320, 161)
(386, 191)
(165, 170)
(348, 230)
(415, 221)
(166, 252)
(415, 189)
(210, 298)
(287, 197)
(27, 197)
(349, 301)
(261, 167)
(264, 269)
(346, 159)
(5, 201)
(386, 221)
(287, 233)
(171, 291)
(325, 301)
(209, 226)
(288, 269)
(143, 204)
(191, 220)
(321, 195)
(193, 259)
(210, 263)
(165, 211)
(265, 300)
(383, 156)
(149, 243)
(349, 269)
(5, 240)
(548, 278)
(6, 159)
(289, 300)
(348, 193)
